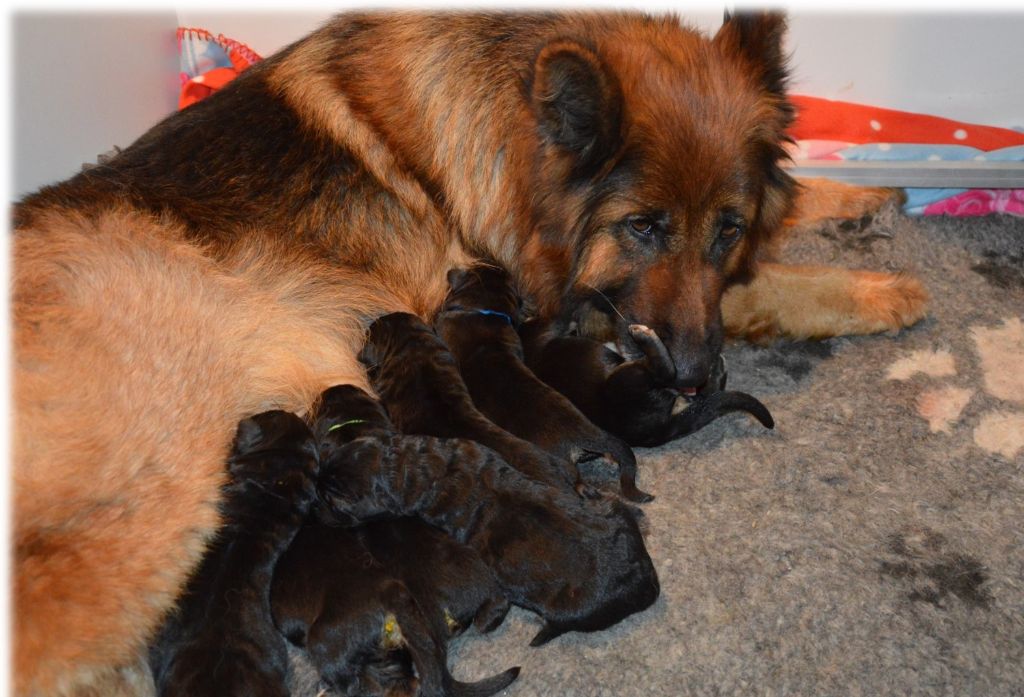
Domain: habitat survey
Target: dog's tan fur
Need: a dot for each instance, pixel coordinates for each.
(148, 318)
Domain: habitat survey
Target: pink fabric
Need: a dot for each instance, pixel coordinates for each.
(980, 202)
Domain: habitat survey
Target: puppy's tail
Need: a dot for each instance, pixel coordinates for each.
(485, 687)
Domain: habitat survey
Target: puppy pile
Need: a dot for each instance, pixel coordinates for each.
(357, 546)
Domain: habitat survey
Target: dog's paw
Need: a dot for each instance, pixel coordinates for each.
(588, 492)
(886, 302)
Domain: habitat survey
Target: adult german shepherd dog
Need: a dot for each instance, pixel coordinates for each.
(620, 166)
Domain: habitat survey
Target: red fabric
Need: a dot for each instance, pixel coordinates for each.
(201, 86)
(204, 85)
(824, 119)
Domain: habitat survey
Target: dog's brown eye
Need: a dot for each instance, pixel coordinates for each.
(641, 226)
(729, 232)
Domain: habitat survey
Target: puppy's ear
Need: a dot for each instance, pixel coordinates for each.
(757, 37)
(456, 277)
(248, 436)
(369, 356)
(546, 634)
(578, 103)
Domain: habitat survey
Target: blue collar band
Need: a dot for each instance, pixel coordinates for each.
(495, 313)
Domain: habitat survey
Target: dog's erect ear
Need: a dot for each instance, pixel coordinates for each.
(546, 634)
(758, 38)
(578, 103)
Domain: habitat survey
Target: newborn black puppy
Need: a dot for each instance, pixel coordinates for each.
(450, 582)
(581, 565)
(221, 641)
(360, 626)
(477, 322)
(632, 399)
(418, 381)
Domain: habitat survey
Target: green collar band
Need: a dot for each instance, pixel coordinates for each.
(335, 427)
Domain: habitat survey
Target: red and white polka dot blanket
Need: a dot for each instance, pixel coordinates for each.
(830, 130)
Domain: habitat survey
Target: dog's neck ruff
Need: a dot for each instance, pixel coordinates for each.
(335, 427)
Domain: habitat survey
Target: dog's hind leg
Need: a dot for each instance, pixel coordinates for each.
(818, 200)
(815, 302)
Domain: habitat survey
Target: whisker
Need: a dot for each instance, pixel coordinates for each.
(607, 299)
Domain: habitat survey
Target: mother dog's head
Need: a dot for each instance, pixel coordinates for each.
(660, 161)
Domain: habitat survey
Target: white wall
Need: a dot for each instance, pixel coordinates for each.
(967, 67)
(85, 82)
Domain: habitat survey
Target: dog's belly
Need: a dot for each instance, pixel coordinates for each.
(134, 358)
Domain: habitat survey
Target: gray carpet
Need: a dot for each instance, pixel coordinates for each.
(873, 544)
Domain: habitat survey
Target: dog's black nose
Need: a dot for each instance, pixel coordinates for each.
(692, 375)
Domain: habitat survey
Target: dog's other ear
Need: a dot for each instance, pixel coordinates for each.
(758, 37)
(578, 103)
(546, 634)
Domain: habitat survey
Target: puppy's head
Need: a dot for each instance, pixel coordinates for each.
(483, 287)
(617, 579)
(275, 452)
(345, 413)
(387, 333)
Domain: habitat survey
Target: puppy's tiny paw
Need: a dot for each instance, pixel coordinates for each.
(589, 492)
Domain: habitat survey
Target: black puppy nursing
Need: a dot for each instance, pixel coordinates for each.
(581, 565)
(477, 322)
(221, 640)
(355, 546)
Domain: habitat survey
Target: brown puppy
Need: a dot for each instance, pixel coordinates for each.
(633, 399)
(418, 381)
(581, 565)
(478, 323)
(221, 640)
(361, 627)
